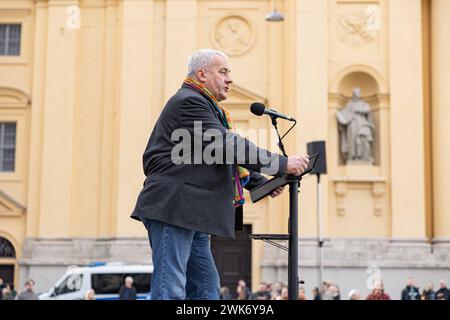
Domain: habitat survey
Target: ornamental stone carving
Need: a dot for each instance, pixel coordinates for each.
(233, 35)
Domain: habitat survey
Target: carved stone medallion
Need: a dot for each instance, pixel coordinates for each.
(359, 27)
(233, 35)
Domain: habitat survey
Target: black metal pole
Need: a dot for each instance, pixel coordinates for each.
(294, 183)
(293, 241)
(319, 234)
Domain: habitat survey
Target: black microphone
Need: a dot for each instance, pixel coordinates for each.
(259, 109)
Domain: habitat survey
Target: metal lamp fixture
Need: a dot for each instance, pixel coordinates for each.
(274, 16)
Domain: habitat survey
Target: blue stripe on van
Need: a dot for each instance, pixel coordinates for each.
(138, 297)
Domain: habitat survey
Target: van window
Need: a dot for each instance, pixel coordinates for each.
(110, 283)
(71, 284)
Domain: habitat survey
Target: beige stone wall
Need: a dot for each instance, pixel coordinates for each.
(86, 99)
(15, 106)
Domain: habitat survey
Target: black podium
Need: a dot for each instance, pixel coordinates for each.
(292, 237)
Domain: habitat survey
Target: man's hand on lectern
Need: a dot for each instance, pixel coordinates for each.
(296, 165)
(275, 193)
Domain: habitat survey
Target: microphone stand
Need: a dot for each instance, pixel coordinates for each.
(280, 143)
(294, 185)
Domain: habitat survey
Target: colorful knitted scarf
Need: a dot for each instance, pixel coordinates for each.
(242, 175)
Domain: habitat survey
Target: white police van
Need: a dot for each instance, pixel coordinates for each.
(104, 278)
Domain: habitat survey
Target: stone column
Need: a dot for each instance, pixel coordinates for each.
(134, 121)
(37, 114)
(440, 73)
(58, 105)
(407, 120)
(110, 103)
(307, 100)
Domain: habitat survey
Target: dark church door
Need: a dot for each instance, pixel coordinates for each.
(233, 259)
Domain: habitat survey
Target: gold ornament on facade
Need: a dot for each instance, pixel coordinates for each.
(360, 27)
(233, 35)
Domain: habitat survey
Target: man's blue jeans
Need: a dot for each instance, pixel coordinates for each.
(183, 264)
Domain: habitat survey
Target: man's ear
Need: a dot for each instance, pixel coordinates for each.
(201, 75)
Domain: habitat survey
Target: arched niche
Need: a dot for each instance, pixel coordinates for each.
(359, 72)
(374, 92)
(368, 85)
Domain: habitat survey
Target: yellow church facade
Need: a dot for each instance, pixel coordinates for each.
(82, 83)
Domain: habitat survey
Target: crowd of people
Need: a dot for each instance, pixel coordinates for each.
(7, 291)
(266, 291)
(331, 291)
(126, 292)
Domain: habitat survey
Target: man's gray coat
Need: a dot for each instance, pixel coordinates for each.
(197, 196)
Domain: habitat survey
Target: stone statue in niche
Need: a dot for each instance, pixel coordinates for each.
(356, 130)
